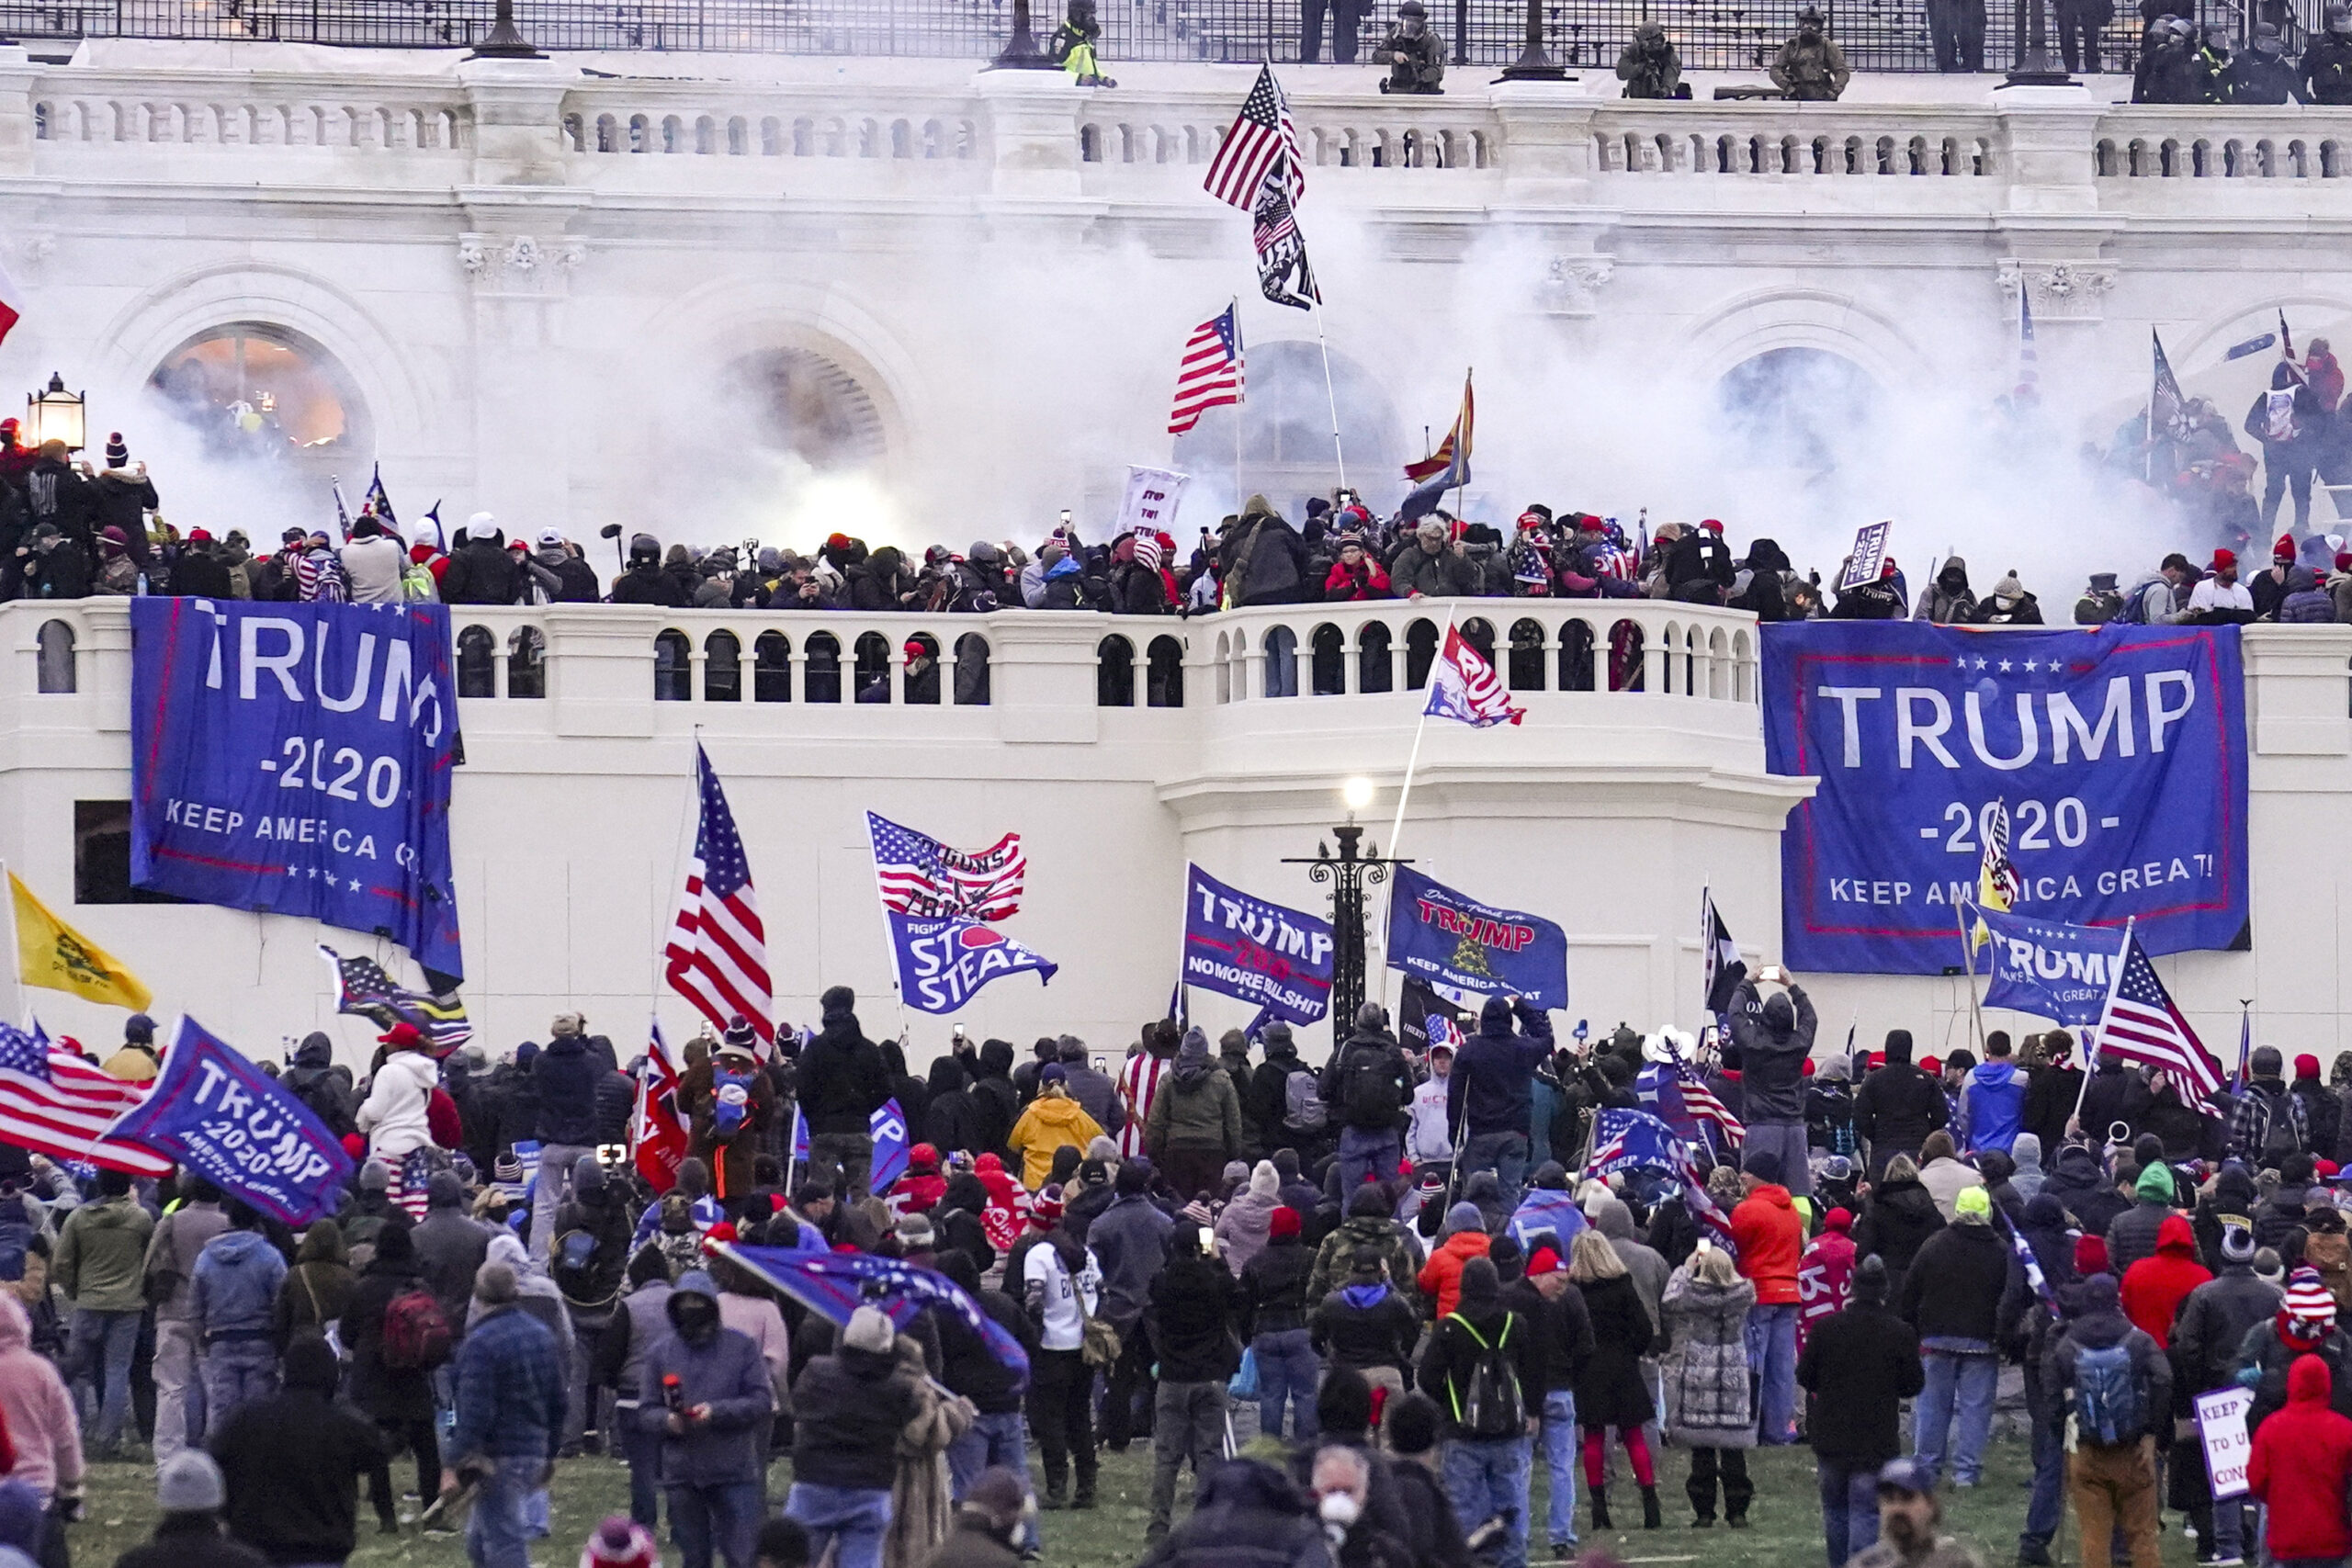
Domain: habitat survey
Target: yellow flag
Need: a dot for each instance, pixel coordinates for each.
(50, 952)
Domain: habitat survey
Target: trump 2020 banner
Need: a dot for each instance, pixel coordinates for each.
(942, 961)
(296, 758)
(1455, 942)
(217, 1113)
(2119, 754)
(1259, 952)
(2058, 971)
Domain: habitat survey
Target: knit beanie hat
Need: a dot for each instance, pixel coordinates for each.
(1283, 1224)
(1481, 1283)
(869, 1329)
(620, 1542)
(1837, 1220)
(1973, 1205)
(1465, 1216)
(2237, 1244)
(190, 1483)
(2090, 1254)
(2154, 1185)
(375, 1176)
(2308, 1300)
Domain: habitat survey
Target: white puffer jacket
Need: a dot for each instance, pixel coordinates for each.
(395, 1113)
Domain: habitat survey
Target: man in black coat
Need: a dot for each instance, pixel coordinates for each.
(189, 1492)
(2117, 1093)
(1897, 1106)
(1951, 1294)
(848, 1410)
(293, 1462)
(481, 572)
(645, 582)
(564, 1077)
(842, 1082)
(2052, 1090)
(1369, 1087)
(1194, 1306)
(1770, 1042)
(1858, 1365)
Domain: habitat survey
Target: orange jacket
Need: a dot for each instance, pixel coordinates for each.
(1441, 1277)
(1770, 1237)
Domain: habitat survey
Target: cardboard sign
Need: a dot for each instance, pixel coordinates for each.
(1151, 499)
(2221, 1424)
(1870, 555)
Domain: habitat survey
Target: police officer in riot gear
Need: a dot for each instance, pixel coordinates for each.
(1811, 68)
(2262, 74)
(1415, 58)
(1650, 66)
(2327, 61)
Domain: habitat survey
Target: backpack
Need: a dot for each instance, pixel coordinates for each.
(1368, 1094)
(1303, 1110)
(577, 1253)
(1491, 1405)
(2134, 612)
(416, 1332)
(2278, 1136)
(2106, 1396)
(730, 1102)
(417, 586)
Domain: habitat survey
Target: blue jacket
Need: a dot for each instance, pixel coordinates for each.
(1993, 1106)
(565, 1077)
(727, 1374)
(1493, 1073)
(233, 1292)
(510, 1389)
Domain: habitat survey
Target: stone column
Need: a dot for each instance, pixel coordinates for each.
(1032, 119)
(519, 263)
(516, 106)
(2048, 135)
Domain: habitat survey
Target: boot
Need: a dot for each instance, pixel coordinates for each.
(1056, 1495)
(1651, 1519)
(1600, 1509)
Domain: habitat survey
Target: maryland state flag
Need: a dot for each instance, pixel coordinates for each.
(50, 952)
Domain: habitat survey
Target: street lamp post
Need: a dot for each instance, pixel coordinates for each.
(55, 414)
(1533, 64)
(1352, 871)
(1020, 52)
(2033, 67)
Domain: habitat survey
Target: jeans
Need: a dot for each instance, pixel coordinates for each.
(102, 1346)
(1970, 1381)
(1061, 1413)
(1505, 1154)
(643, 1452)
(178, 1384)
(2045, 1509)
(549, 1191)
(992, 1440)
(1485, 1479)
(1848, 1508)
(1189, 1424)
(1287, 1367)
(1368, 1156)
(1786, 1139)
(1772, 1351)
(235, 1370)
(2229, 1527)
(1560, 1460)
(2285, 463)
(494, 1535)
(724, 1518)
(845, 1161)
(849, 1518)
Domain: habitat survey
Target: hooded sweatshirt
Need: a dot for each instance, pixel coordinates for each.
(1241, 1230)
(1052, 1122)
(1992, 1106)
(1770, 1237)
(1195, 1106)
(235, 1295)
(2026, 1179)
(1493, 1073)
(39, 1411)
(2155, 1287)
(396, 1113)
(2302, 1456)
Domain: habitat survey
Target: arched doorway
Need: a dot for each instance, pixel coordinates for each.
(251, 392)
(1286, 437)
(798, 402)
(1796, 411)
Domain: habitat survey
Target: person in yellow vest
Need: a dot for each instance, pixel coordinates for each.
(138, 1061)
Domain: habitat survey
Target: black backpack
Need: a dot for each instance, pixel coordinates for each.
(1489, 1405)
(2278, 1136)
(1368, 1096)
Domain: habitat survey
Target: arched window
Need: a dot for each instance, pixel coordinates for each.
(772, 667)
(1479, 633)
(1281, 677)
(821, 676)
(1224, 668)
(722, 667)
(1625, 656)
(1114, 674)
(56, 657)
(262, 392)
(1376, 670)
(1526, 673)
(1575, 655)
(477, 662)
(922, 684)
(1329, 659)
(526, 663)
(674, 673)
(1286, 430)
(1796, 408)
(1164, 673)
(804, 405)
(1421, 652)
(971, 670)
(873, 667)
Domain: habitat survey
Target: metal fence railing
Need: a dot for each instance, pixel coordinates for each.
(1585, 35)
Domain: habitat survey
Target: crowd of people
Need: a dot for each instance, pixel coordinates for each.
(1360, 1300)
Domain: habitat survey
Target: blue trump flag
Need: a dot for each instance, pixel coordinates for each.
(1450, 940)
(2119, 754)
(2058, 971)
(1259, 952)
(296, 758)
(1633, 1140)
(887, 1128)
(837, 1284)
(942, 960)
(217, 1113)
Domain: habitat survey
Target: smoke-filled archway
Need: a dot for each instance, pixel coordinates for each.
(1796, 411)
(253, 391)
(802, 404)
(1286, 434)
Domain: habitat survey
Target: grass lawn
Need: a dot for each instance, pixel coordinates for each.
(1785, 1520)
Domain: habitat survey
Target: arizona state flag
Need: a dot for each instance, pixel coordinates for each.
(50, 952)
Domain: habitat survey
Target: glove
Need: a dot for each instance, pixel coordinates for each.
(2249, 1377)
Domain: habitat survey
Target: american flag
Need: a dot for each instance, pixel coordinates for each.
(919, 875)
(377, 501)
(1706, 1211)
(364, 990)
(2142, 1024)
(1262, 136)
(1209, 375)
(1462, 686)
(1704, 1104)
(1998, 884)
(54, 1103)
(1138, 1084)
(1284, 275)
(718, 950)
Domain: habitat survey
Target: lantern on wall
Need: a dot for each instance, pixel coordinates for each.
(55, 414)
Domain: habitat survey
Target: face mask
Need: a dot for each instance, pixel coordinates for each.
(1339, 1508)
(695, 1317)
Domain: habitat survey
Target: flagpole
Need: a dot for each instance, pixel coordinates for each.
(1397, 825)
(1330, 394)
(1968, 961)
(2098, 1031)
(1241, 397)
(16, 948)
(889, 940)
